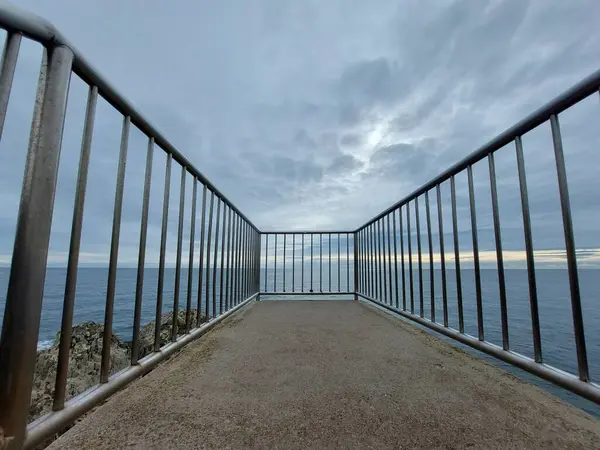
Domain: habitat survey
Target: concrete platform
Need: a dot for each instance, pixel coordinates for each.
(329, 374)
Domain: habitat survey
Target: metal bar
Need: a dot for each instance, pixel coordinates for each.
(266, 258)
(137, 310)
(395, 257)
(373, 260)
(190, 282)
(114, 252)
(588, 390)
(293, 262)
(201, 257)
(499, 256)
(242, 277)
(430, 243)
(215, 259)
(275, 267)
(461, 323)
(246, 255)
(420, 257)
(379, 256)
(338, 263)
(533, 301)
(311, 263)
(234, 264)
(163, 251)
(255, 258)
(480, 330)
(249, 259)
(363, 248)
(389, 258)
(257, 261)
(222, 268)
(402, 257)
(284, 246)
(410, 265)
(355, 261)
(40, 430)
(363, 261)
(383, 256)
(208, 238)
(22, 310)
(371, 269)
(174, 325)
(7, 73)
(320, 262)
(238, 260)
(565, 205)
(348, 259)
(302, 272)
(234, 260)
(66, 328)
(442, 254)
(329, 242)
(228, 271)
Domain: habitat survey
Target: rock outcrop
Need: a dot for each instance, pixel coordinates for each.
(166, 325)
(84, 365)
(85, 357)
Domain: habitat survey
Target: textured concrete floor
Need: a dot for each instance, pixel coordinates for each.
(318, 374)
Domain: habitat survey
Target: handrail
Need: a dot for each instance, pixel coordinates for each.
(382, 254)
(576, 93)
(39, 29)
(234, 235)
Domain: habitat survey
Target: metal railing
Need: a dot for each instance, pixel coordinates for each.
(234, 249)
(308, 263)
(376, 263)
(385, 248)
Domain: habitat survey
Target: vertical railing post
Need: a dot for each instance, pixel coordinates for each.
(533, 300)
(293, 262)
(442, 254)
(266, 258)
(355, 247)
(114, 254)
(137, 310)
(201, 257)
(66, 328)
(22, 313)
(174, 325)
(163, 252)
(476, 265)
(570, 249)
(188, 306)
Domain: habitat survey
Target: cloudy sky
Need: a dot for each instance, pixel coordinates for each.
(318, 115)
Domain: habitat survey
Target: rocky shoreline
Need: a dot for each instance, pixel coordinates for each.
(85, 357)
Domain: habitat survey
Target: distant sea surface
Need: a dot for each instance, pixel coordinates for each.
(556, 322)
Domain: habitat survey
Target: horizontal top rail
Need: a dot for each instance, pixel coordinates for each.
(576, 93)
(16, 20)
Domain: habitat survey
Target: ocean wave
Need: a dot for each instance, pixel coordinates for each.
(43, 345)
